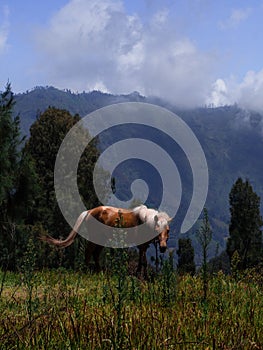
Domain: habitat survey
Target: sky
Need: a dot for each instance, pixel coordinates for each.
(189, 52)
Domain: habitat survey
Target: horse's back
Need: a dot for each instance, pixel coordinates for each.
(111, 215)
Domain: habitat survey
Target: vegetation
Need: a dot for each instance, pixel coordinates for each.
(67, 310)
(9, 143)
(28, 207)
(17, 184)
(46, 135)
(245, 226)
(186, 256)
(204, 235)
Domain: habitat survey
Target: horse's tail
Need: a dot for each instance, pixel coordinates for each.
(70, 239)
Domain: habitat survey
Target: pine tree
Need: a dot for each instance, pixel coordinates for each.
(204, 235)
(17, 186)
(245, 236)
(185, 254)
(10, 140)
(46, 136)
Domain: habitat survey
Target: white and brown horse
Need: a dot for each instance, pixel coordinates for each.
(157, 222)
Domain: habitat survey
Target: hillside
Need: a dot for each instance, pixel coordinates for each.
(33, 102)
(231, 138)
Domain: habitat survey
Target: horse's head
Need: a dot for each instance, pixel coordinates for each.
(162, 228)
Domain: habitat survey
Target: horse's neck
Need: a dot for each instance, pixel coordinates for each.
(140, 211)
(147, 215)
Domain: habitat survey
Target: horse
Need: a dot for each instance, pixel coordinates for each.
(156, 222)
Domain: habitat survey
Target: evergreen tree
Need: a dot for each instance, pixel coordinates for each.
(185, 254)
(10, 141)
(245, 236)
(17, 185)
(9, 163)
(46, 136)
(204, 235)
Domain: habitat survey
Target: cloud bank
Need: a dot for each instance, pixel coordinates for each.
(97, 45)
(246, 93)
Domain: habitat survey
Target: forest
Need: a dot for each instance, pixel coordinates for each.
(50, 299)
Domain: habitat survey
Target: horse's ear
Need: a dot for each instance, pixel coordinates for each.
(169, 219)
(156, 218)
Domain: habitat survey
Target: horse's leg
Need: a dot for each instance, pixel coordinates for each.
(88, 252)
(96, 257)
(142, 260)
(139, 267)
(156, 256)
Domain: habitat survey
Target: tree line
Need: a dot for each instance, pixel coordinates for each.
(28, 206)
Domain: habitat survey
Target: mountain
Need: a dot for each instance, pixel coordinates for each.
(232, 139)
(32, 103)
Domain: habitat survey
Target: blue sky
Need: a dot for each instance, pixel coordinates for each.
(191, 52)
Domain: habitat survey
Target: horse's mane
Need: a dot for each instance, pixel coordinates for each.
(148, 215)
(164, 215)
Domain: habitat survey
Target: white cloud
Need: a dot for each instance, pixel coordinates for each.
(247, 93)
(90, 44)
(219, 94)
(4, 28)
(251, 91)
(237, 16)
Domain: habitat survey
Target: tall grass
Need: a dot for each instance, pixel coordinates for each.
(72, 310)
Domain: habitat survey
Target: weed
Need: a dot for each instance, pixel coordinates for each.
(100, 311)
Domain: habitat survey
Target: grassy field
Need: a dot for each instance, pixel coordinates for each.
(72, 310)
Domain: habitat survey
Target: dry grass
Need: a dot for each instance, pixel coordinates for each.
(70, 310)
